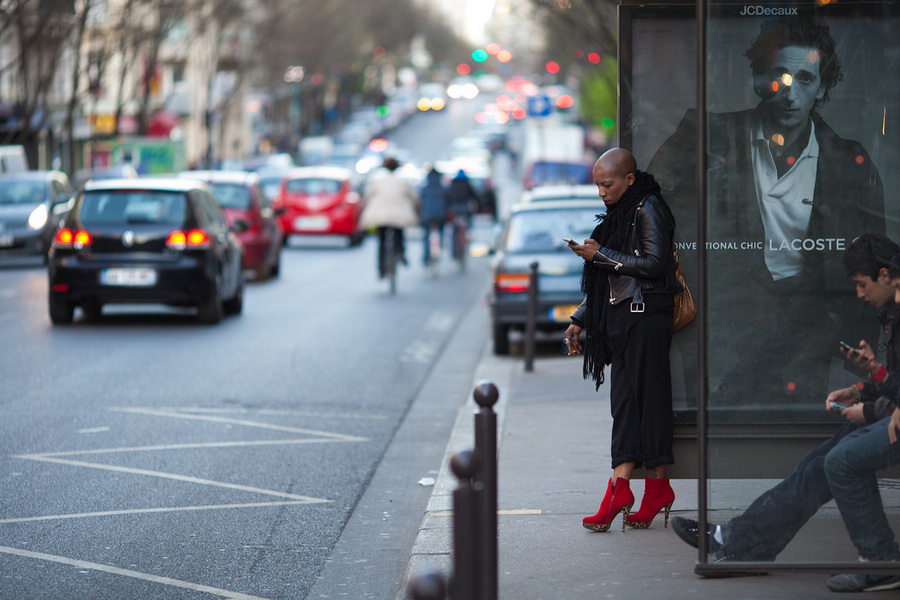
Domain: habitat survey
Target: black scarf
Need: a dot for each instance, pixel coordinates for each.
(612, 233)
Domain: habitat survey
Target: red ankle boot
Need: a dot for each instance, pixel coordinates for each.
(658, 495)
(618, 499)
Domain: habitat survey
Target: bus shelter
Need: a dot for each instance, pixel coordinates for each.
(761, 236)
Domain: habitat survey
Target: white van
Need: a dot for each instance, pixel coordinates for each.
(13, 159)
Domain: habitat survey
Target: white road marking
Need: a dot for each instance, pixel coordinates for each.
(225, 594)
(138, 511)
(160, 474)
(180, 415)
(235, 444)
(56, 457)
(93, 430)
(439, 322)
(270, 411)
(418, 351)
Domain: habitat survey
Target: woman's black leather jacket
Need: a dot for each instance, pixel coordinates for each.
(646, 264)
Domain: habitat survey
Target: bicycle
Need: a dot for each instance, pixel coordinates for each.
(460, 240)
(391, 254)
(432, 241)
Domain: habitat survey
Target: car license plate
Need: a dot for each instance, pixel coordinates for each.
(128, 277)
(311, 223)
(6, 241)
(561, 312)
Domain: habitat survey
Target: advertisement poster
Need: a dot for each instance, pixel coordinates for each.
(803, 129)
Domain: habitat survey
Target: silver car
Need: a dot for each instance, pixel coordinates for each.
(31, 203)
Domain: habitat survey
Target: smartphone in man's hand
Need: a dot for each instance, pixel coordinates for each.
(850, 348)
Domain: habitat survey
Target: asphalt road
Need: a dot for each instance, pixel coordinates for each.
(227, 456)
(147, 456)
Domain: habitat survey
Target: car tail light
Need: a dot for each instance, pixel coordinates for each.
(177, 240)
(512, 283)
(195, 239)
(67, 238)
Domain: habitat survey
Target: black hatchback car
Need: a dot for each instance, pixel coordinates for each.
(157, 241)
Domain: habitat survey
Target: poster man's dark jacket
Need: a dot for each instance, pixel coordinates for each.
(848, 199)
(789, 328)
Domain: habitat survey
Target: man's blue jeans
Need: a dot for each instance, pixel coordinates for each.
(852, 469)
(774, 518)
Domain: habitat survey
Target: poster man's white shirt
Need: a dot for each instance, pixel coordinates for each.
(785, 203)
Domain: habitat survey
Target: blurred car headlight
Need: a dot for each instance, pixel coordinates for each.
(364, 165)
(38, 217)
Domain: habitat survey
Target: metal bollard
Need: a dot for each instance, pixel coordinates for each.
(428, 586)
(465, 582)
(531, 318)
(485, 481)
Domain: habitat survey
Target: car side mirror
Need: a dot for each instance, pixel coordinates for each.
(240, 226)
(63, 205)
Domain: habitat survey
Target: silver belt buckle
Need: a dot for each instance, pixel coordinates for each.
(637, 307)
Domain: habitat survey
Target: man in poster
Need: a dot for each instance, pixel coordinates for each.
(786, 195)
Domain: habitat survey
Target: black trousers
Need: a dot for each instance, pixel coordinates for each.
(641, 394)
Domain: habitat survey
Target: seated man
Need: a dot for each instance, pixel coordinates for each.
(773, 519)
(852, 470)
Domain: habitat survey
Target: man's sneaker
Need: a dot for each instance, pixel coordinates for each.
(689, 531)
(853, 582)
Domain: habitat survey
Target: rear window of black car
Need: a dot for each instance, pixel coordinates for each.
(544, 230)
(562, 172)
(230, 195)
(313, 186)
(132, 207)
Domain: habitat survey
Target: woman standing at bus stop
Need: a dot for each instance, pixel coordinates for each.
(629, 282)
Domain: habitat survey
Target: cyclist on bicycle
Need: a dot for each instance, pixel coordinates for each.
(462, 201)
(434, 210)
(391, 205)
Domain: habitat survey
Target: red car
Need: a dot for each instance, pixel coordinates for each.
(319, 201)
(251, 216)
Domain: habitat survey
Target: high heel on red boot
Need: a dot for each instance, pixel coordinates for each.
(658, 495)
(618, 499)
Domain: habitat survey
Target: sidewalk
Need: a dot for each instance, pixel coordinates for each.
(553, 467)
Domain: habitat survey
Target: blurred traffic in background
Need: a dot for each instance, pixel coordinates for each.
(194, 302)
(288, 146)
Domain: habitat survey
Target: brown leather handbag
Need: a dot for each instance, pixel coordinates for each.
(685, 310)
